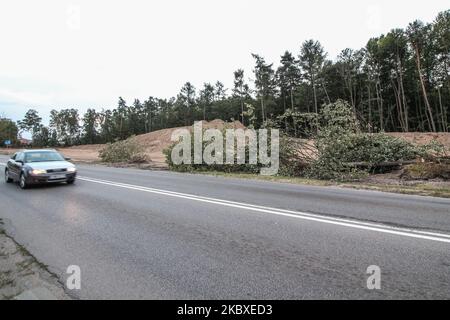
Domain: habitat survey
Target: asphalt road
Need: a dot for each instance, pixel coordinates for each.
(160, 235)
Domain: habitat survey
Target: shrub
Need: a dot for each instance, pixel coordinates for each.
(129, 150)
(427, 170)
(247, 168)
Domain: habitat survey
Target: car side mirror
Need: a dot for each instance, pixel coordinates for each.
(67, 159)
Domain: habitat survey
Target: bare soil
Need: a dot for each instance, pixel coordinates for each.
(20, 271)
(421, 138)
(153, 142)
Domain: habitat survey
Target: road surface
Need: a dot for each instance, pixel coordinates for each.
(160, 235)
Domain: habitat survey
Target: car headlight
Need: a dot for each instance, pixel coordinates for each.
(71, 169)
(37, 171)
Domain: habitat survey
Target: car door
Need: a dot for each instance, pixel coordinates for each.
(16, 165)
(10, 166)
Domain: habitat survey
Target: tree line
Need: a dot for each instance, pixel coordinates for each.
(400, 81)
(8, 131)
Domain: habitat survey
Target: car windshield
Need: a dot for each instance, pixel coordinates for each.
(42, 156)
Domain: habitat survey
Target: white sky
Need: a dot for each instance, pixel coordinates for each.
(60, 53)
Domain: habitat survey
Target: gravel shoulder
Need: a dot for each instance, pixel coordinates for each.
(22, 276)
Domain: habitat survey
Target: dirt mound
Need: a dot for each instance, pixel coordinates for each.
(153, 142)
(84, 153)
(421, 138)
(94, 147)
(161, 139)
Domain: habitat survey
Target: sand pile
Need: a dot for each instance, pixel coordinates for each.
(159, 140)
(153, 142)
(419, 138)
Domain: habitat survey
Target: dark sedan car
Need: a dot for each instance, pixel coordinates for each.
(30, 167)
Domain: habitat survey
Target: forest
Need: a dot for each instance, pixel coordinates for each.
(398, 82)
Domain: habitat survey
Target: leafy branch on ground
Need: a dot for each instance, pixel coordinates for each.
(338, 150)
(124, 151)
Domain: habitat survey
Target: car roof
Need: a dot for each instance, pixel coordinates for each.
(38, 150)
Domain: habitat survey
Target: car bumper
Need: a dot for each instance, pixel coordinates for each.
(50, 178)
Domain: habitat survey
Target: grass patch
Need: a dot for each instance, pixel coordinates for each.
(422, 189)
(283, 179)
(427, 171)
(418, 189)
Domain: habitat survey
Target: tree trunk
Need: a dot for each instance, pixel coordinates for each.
(399, 105)
(402, 91)
(326, 93)
(284, 107)
(370, 109)
(292, 100)
(150, 125)
(391, 117)
(419, 106)
(313, 82)
(242, 112)
(120, 130)
(443, 112)
(424, 90)
(380, 105)
(262, 110)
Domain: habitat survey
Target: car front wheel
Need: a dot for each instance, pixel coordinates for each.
(7, 178)
(23, 182)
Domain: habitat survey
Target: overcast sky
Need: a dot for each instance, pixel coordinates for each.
(59, 53)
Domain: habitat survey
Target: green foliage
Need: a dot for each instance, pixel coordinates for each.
(265, 84)
(249, 113)
(66, 125)
(298, 124)
(337, 119)
(30, 122)
(91, 121)
(341, 145)
(41, 137)
(289, 164)
(312, 58)
(129, 151)
(248, 168)
(426, 170)
(8, 131)
(338, 156)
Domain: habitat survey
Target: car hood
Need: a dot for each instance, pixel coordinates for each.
(50, 165)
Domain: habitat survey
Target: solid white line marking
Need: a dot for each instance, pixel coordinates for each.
(440, 237)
